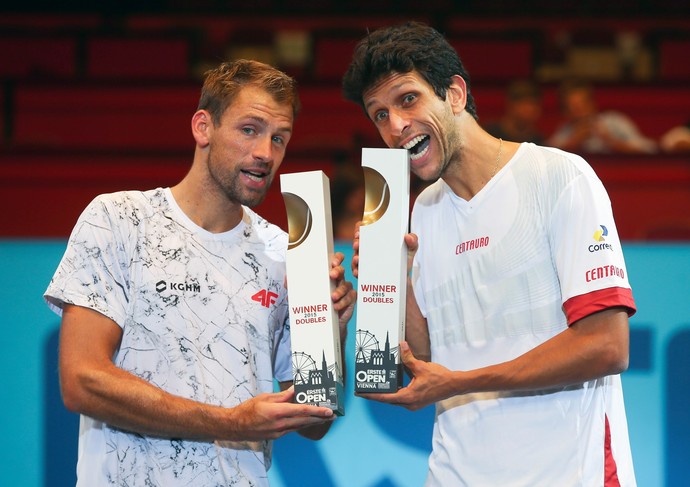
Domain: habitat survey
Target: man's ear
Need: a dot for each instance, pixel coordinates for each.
(202, 127)
(457, 94)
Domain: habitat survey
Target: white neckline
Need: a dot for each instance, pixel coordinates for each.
(202, 232)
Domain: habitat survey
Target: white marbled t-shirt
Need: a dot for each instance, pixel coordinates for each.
(203, 316)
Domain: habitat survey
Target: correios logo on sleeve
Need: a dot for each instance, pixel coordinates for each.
(600, 237)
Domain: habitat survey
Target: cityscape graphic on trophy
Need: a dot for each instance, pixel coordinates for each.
(376, 368)
(312, 384)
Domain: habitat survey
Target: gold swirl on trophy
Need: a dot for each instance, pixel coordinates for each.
(299, 219)
(377, 196)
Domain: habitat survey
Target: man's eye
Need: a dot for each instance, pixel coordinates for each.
(380, 116)
(278, 140)
(409, 98)
(248, 130)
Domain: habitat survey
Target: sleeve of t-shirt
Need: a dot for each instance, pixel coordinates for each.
(282, 363)
(587, 250)
(92, 272)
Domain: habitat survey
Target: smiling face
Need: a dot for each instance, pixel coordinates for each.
(247, 147)
(408, 114)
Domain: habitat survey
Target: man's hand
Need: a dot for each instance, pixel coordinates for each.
(412, 243)
(344, 296)
(270, 416)
(430, 383)
(355, 248)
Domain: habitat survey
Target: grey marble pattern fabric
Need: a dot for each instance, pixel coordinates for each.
(204, 316)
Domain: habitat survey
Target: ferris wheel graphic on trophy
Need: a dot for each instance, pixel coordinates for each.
(368, 351)
(365, 343)
(302, 364)
(306, 373)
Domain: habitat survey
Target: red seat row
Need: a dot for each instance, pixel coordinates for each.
(175, 54)
(55, 186)
(108, 116)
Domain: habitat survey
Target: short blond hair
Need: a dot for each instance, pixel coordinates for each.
(223, 83)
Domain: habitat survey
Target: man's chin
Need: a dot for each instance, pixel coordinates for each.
(250, 199)
(253, 202)
(425, 174)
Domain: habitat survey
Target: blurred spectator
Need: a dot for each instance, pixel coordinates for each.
(586, 129)
(347, 196)
(523, 110)
(677, 139)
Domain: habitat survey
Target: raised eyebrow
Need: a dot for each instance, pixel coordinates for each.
(262, 121)
(367, 106)
(284, 130)
(402, 90)
(257, 119)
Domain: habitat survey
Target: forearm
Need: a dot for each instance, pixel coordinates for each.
(585, 351)
(94, 386)
(122, 400)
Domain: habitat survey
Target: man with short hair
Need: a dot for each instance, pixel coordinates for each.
(174, 307)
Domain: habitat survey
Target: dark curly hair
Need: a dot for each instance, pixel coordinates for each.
(402, 49)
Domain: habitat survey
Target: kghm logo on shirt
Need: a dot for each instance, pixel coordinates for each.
(162, 286)
(599, 236)
(473, 244)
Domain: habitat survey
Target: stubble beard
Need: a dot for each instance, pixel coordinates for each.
(453, 154)
(229, 184)
(449, 158)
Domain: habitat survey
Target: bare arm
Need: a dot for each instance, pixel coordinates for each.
(593, 347)
(92, 385)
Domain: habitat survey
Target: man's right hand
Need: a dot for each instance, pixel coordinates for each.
(270, 416)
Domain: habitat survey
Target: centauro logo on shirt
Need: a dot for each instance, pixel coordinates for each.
(162, 286)
(603, 272)
(473, 244)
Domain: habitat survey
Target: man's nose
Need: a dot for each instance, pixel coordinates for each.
(263, 149)
(398, 122)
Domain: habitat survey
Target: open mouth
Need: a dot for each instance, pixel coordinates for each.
(418, 146)
(254, 175)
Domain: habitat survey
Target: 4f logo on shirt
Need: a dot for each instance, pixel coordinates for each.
(266, 298)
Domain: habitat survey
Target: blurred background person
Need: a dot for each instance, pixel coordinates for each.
(347, 197)
(523, 111)
(586, 129)
(677, 139)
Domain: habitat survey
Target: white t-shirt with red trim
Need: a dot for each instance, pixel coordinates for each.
(534, 251)
(203, 316)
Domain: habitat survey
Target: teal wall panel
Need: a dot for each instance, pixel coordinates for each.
(373, 445)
